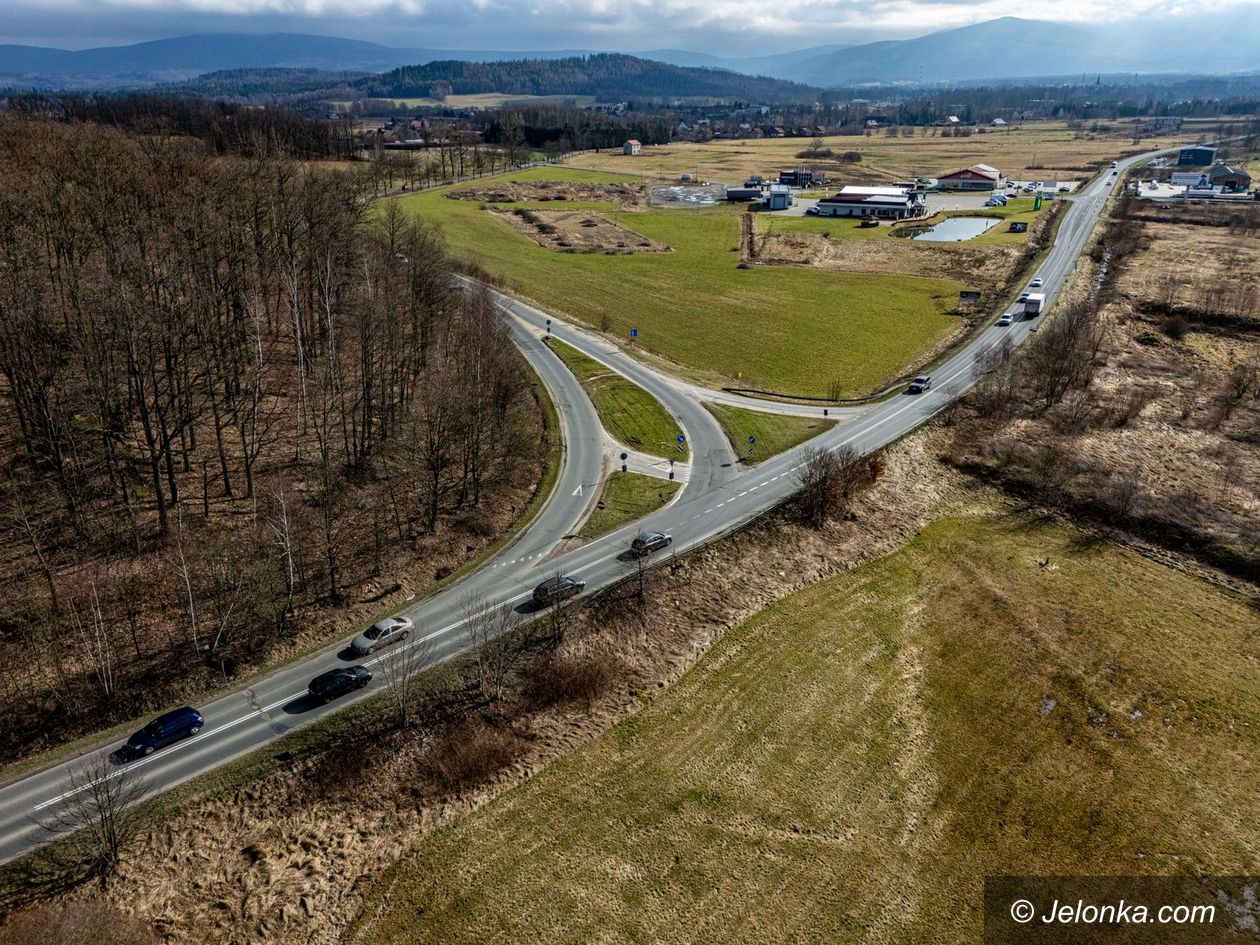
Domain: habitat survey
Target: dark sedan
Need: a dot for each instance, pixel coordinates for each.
(647, 542)
(337, 682)
(553, 590)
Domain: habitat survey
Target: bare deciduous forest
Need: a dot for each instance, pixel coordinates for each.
(235, 400)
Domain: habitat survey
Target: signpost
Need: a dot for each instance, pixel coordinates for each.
(549, 326)
(681, 440)
(624, 457)
(634, 333)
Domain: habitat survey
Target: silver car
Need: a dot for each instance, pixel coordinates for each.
(382, 633)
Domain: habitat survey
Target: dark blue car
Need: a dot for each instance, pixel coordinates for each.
(165, 729)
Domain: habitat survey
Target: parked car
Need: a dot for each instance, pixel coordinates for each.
(1005, 320)
(1065, 190)
(920, 384)
(382, 633)
(647, 542)
(337, 682)
(1036, 283)
(811, 211)
(553, 590)
(173, 726)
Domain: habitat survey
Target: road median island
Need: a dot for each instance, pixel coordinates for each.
(630, 414)
(627, 497)
(770, 433)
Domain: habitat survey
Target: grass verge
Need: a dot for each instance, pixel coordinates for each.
(1001, 696)
(627, 496)
(773, 432)
(628, 412)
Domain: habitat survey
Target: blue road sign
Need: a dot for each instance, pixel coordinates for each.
(682, 438)
(634, 333)
(752, 440)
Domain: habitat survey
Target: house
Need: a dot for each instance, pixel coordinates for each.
(998, 123)
(1201, 155)
(881, 203)
(778, 197)
(1231, 180)
(632, 146)
(976, 177)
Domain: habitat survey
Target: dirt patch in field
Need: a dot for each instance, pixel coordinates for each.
(579, 231)
(626, 196)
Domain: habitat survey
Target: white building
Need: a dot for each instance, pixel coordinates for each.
(632, 146)
(882, 203)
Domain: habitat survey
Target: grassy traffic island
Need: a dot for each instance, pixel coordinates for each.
(629, 413)
(772, 432)
(626, 497)
(1000, 696)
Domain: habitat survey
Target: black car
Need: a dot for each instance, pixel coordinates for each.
(179, 723)
(647, 542)
(556, 589)
(919, 384)
(337, 682)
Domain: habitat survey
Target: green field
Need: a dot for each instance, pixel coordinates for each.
(628, 412)
(780, 328)
(626, 497)
(1001, 696)
(773, 432)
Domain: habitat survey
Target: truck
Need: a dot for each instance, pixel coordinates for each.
(1035, 302)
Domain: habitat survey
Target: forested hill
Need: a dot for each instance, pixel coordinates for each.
(607, 76)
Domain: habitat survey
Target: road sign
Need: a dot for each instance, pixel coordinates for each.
(634, 333)
(682, 438)
(599, 504)
(751, 440)
(624, 457)
(549, 326)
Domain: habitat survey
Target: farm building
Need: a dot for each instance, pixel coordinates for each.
(801, 177)
(632, 146)
(882, 203)
(976, 177)
(1232, 180)
(1201, 155)
(778, 197)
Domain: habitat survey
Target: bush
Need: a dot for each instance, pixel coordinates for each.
(470, 753)
(76, 923)
(1175, 327)
(562, 680)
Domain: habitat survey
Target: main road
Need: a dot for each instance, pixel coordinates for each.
(718, 498)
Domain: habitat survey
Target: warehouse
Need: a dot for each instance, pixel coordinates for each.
(1201, 155)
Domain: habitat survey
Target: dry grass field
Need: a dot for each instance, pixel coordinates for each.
(1003, 695)
(1034, 150)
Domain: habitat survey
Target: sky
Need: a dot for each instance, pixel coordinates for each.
(722, 27)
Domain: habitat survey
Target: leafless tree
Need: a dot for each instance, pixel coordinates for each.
(495, 653)
(400, 666)
(98, 815)
(827, 480)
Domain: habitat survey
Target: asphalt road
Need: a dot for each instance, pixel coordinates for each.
(720, 497)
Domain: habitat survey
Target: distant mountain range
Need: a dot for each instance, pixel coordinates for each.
(1215, 41)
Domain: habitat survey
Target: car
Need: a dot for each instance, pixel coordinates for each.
(1036, 284)
(919, 384)
(811, 211)
(1065, 190)
(170, 727)
(1115, 163)
(1005, 320)
(382, 633)
(1023, 296)
(647, 542)
(339, 681)
(553, 590)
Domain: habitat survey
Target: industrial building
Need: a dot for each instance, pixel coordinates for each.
(777, 197)
(976, 177)
(801, 177)
(1201, 155)
(881, 203)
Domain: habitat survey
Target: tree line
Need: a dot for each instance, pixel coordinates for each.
(230, 389)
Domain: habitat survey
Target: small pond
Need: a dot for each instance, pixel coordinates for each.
(951, 229)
